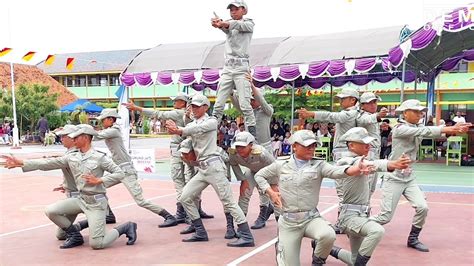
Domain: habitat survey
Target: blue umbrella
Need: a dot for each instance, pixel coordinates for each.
(82, 104)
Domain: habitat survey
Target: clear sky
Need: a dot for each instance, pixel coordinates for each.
(61, 26)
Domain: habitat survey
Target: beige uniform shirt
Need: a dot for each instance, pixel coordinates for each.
(258, 158)
(203, 132)
(406, 139)
(369, 121)
(177, 115)
(356, 189)
(299, 187)
(263, 117)
(113, 140)
(69, 184)
(238, 37)
(93, 162)
(344, 120)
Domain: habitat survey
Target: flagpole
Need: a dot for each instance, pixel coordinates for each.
(16, 142)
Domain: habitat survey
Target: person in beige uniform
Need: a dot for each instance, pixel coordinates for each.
(344, 120)
(364, 234)
(113, 139)
(86, 165)
(189, 157)
(406, 138)
(178, 115)
(239, 31)
(299, 182)
(369, 119)
(245, 152)
(211, 171)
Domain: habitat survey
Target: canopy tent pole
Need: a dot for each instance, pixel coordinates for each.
(402, 88)
(430, 96)
(330, 95)
(16, 142)
(292, 107)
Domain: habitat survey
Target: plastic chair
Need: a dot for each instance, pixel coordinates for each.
(427, 149)
(464, 143)
(323, 151)
(454, 148)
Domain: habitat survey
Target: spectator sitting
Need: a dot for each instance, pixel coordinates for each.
(276, 144)
(286, 145)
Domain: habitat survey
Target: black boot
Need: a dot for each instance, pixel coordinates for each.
(200, 234)
(202, 214)
(73, 238)
(334, 252)
(252, 130)
(361, 260)
(130, 230)
(180, 213)
(318, 261)
(230, 233)
(188, 230)
(260, 222)
(413, 241)
(270, 211)
(110, 217)
(81, 225)
(245, 237)
(169, 219)
(337, 229)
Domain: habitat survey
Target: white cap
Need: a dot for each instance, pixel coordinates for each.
(180, 96)
(243, 138)
(200, 100)
(357, 134)
(83, 129)
(66, 130)
(411, 105)
(367, 97)
(348, 92)
(304, 137)
(109, 112)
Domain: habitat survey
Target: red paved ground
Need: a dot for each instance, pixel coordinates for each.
(27, 237)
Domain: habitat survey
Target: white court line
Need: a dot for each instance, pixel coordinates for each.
(48, 224)
(269, 243)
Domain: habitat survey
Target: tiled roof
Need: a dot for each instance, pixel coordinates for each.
(105, 61)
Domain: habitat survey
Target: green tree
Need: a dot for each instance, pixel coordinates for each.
(31, 102)
(281, 101)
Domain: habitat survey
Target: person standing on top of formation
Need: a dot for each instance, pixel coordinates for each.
(406, 139)
(239, 31)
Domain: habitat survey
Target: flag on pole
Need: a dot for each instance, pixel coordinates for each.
(27, 57)
(5, 51)
(49, 60)
(124, 121)
(70, 63)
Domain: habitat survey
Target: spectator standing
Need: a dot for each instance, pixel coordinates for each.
(42, 127)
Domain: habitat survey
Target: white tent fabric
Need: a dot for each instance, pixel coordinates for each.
(276, 51)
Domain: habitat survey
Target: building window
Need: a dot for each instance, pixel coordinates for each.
(103, 80)
(93, 80)
(114, 80)
(82, 81)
